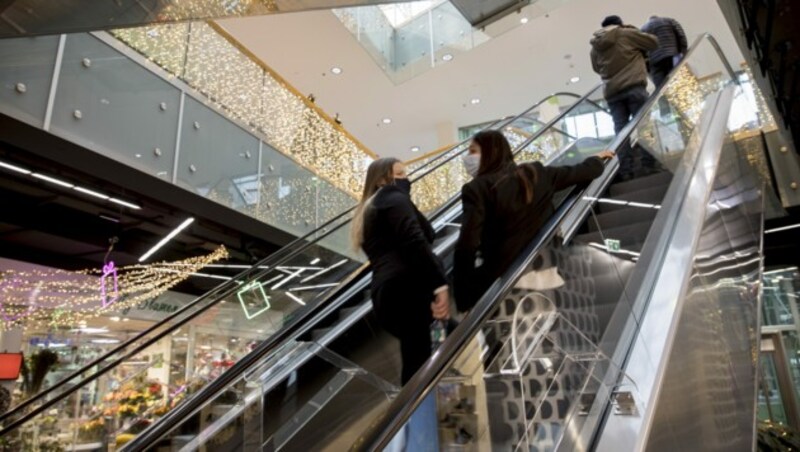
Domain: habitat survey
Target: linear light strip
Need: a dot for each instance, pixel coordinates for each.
(65, 184)
(52, 180)
(782, 228)
(296, 298)
(167, 238)
(11, 167)
(318, 286)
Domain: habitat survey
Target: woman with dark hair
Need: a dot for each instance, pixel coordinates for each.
(409, 286)
(505, 205)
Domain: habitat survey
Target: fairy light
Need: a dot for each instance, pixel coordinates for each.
(58, 298)
(204, 59)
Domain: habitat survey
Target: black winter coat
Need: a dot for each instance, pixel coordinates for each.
(499, 223)
(398, 239)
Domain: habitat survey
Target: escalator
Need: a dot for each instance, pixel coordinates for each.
(548, 358)
(256, 310)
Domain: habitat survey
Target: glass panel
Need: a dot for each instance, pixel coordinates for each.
(284, 408)
(26, 71)
(446, 181)
(770, 399)
(116, 107)
(217, 159)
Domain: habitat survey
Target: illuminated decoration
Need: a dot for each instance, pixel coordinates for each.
(210, 61)
(40, 298)
(253, 299)
(686, 96)
(253, 296)
(109, 270)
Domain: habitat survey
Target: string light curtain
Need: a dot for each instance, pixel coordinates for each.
(58, 298)
(200, 55)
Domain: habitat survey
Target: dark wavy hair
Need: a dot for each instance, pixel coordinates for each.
(496, 156)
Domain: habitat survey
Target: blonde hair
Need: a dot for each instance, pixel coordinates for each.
(379, 173)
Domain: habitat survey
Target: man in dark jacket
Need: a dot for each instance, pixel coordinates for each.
(672, 45)
(618, 56)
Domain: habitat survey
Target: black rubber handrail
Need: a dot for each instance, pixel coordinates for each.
(224, 289)
(386, 426)
(153, 433)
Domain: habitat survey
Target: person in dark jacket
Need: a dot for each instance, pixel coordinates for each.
(504, 207)
(672, 45)
(618, 57)
(409, 285)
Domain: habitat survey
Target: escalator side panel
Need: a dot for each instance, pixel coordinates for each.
(707, 397)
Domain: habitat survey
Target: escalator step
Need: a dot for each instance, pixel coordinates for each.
(631, 236)
(622, 217)
(652, 195)
(641, 183)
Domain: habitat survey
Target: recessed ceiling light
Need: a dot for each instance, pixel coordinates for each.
(575, 79)
(336, 70)
(475, 101)
(447, 57)
(524, 20)
(387, 120)
(415, 149)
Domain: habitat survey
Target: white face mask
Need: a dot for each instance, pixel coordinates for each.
(472, 162)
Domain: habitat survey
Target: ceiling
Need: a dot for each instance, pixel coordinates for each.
(507, 74)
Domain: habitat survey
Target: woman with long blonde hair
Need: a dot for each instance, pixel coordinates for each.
(409, 285)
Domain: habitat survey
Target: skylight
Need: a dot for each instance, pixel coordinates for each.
(400, 13)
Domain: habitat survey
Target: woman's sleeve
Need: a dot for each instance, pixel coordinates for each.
(415, 246)
(567, 176)
(465, 274)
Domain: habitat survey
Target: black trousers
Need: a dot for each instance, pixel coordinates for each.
(660, 70)
(404, 310)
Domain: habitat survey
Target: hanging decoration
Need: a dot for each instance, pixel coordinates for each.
(62, 298)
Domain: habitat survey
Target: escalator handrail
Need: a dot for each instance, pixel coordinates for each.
(166, 423)
(222, 290)
(383, 429)
(504, 122)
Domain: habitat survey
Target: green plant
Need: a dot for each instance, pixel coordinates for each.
(776, 437)
(35, 369)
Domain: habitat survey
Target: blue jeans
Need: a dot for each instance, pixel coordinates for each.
(421, 432)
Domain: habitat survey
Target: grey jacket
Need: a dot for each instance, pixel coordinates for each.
(618, 57)
(671, 38)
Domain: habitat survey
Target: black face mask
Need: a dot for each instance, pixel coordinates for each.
(404, 185)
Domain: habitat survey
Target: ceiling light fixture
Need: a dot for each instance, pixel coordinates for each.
(387, 120)
(91, 192)
(447, 57)
(415, 149)
(575, 79)
(105, 341)
(166, 239)
(14, 168)
(783, 228)
(66, 184)
(475, 101)
(52, 180)
(524, 20)
(336, 70)
(124, 203)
